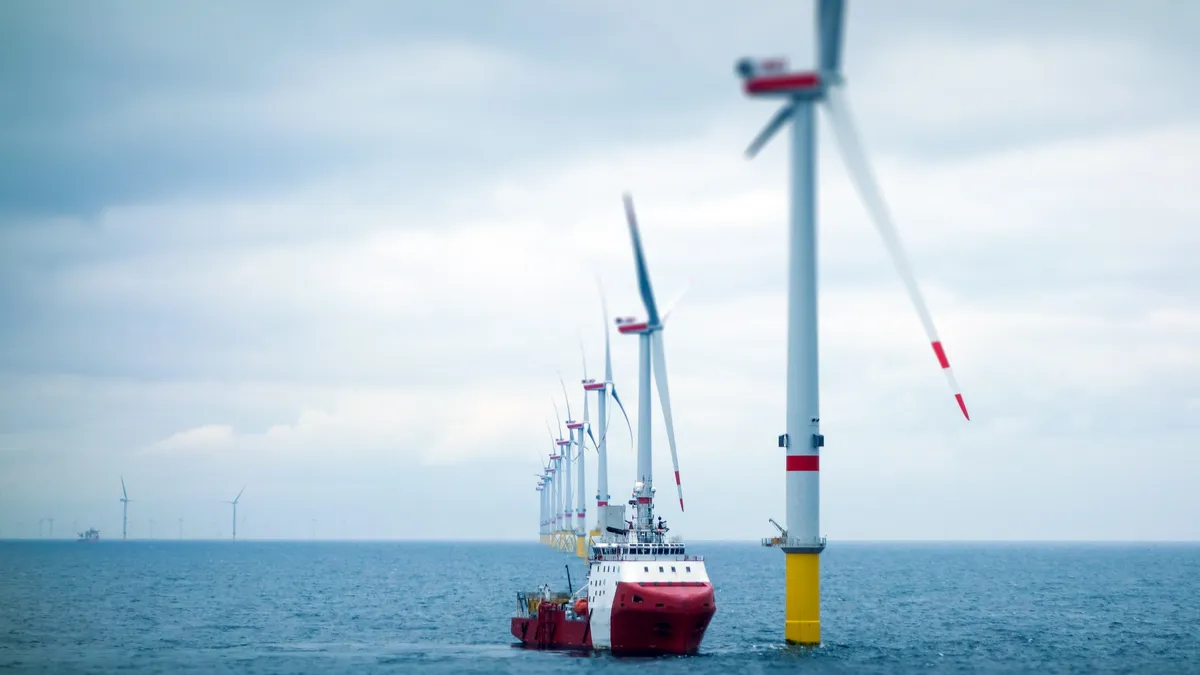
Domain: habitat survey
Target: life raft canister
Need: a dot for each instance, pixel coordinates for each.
(581, 607)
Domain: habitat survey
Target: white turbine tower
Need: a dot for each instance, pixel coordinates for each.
(801, 541)
(651, 354)
(607, 515)
(564, 450)
(124, 510)
(235, 503)
(579, 509)
(551, 495)
(556, 459)
(539, 488)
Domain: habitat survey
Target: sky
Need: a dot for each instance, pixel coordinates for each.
(340, 256)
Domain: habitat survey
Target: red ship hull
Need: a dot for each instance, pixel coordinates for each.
(647, 619)
(551, 629)
(666, 619)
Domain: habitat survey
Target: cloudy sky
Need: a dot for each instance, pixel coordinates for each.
(340, 254)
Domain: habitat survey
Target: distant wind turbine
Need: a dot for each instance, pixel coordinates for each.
(235, 503)
(124, 510)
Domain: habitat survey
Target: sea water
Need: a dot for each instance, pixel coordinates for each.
(384, 607)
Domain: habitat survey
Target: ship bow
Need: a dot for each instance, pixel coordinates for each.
(661, 618)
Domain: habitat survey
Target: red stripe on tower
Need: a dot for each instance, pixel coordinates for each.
(803, 463)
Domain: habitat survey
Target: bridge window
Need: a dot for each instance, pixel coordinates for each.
(672, 569)
(688, 568)
(660, 569)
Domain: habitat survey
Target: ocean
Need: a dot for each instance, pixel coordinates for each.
(394, 607)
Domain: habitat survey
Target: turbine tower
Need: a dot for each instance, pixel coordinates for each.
(564, 450)
(575, 436)
(124, 510)
(556, 497)
(650, 354)
(801, 541)
(235, 503)
(603, 390)
(550, 495)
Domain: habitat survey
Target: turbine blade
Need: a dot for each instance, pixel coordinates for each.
(768, 132)
(235, 499)
(860, 173)
(566, 397)
(591, 436)
(585, 406)
(639, 258)
(623, 413)
(123, 492)
(829, 35)
(607, 350)
(675, 303)
(557, 417)
(583, 355)
(659, 360)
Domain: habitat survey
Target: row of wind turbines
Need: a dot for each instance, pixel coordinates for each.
(801, 540)
(563, 524)
(126, 501)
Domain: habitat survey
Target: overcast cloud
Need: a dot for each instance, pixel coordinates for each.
(339, 255)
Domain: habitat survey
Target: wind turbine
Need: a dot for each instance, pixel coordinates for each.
(603, 391)
(124, 510)
(564, 449)
(801, 541)
(556, 497)
(650, 354)
(235, 503)
(575, 436)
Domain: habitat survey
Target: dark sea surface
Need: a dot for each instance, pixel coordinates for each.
(314, 607)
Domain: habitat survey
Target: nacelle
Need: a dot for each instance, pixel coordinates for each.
(749, 68)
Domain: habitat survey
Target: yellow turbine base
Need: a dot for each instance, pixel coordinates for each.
(802, 612)
(581, 546)
(564, 541)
